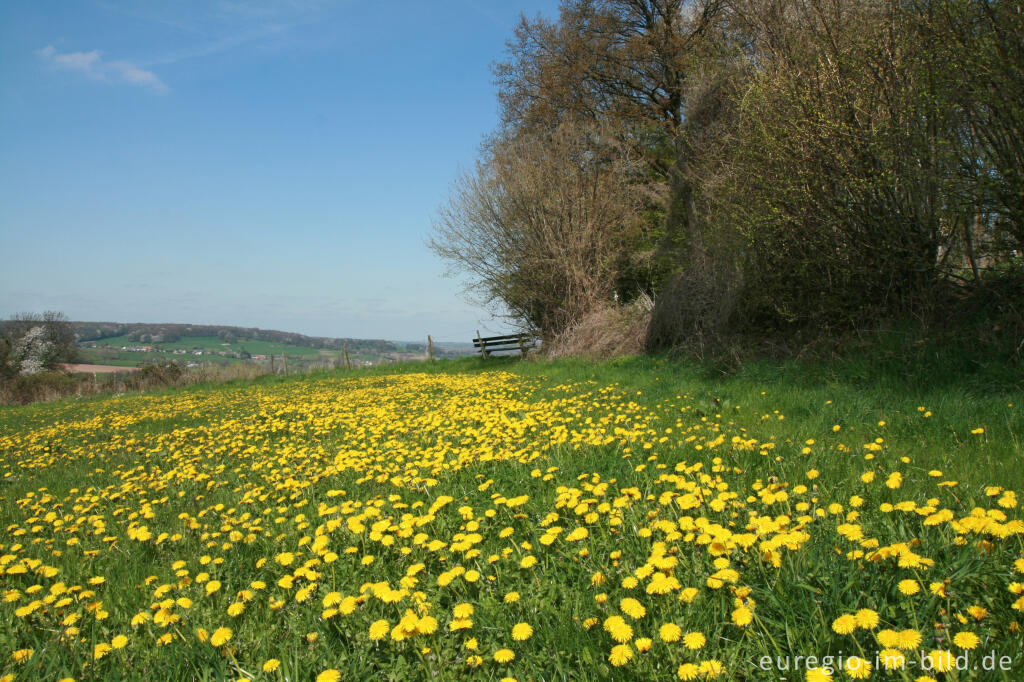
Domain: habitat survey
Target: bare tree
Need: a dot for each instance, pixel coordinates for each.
(632, 64)
(543, 225)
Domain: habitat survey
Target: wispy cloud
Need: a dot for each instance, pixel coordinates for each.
(221, 44)
(93, 65)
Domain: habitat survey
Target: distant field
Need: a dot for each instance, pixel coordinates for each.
(217, 344)
(111, 353)
(127, 358)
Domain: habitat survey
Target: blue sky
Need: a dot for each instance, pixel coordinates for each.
(269, 164)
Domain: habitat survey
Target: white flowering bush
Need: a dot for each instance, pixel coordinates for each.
(28, 354)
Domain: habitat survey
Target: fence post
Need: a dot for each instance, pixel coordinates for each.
(430, 348)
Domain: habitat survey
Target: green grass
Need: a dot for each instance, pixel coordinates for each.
(223, 455)
(855, 395)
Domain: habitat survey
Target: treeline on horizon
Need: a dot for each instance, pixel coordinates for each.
(150, 333)
(724, 169)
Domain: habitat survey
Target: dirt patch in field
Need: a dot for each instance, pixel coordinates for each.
(79, 368)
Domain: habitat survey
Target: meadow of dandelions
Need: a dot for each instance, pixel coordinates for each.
(486, 526)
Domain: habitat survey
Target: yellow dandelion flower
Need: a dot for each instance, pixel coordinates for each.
(379, 629)
(427, 625)
(742, 616)
(711, 668)
(670, 632)
(632, 608)
(694, 640)
(620, 655)
(892, 659)
(966, 640)
(818, 675)
(271, 665)
(619, 629)
(522, 632)
(687, 672)
(867, 619)
(857, 668)
(220, 636)
(888, 638)
(909, 587)
(908, 639)
(844, 624)
(504, 656)
(941, 660)
(329, 675)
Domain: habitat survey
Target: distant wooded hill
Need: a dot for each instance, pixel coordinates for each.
(148, 333)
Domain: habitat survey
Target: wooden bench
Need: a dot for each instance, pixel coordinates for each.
(508, 342)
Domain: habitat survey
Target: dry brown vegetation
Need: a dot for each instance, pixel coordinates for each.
(605, 332)
(53, 385)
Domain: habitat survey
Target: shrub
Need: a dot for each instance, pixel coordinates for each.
(37, 387)
(160, 373)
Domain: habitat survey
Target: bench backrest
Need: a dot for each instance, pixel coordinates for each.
(507, 342)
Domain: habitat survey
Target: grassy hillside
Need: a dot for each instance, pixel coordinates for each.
(118, 350)
(640, 519)
(123, 344)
